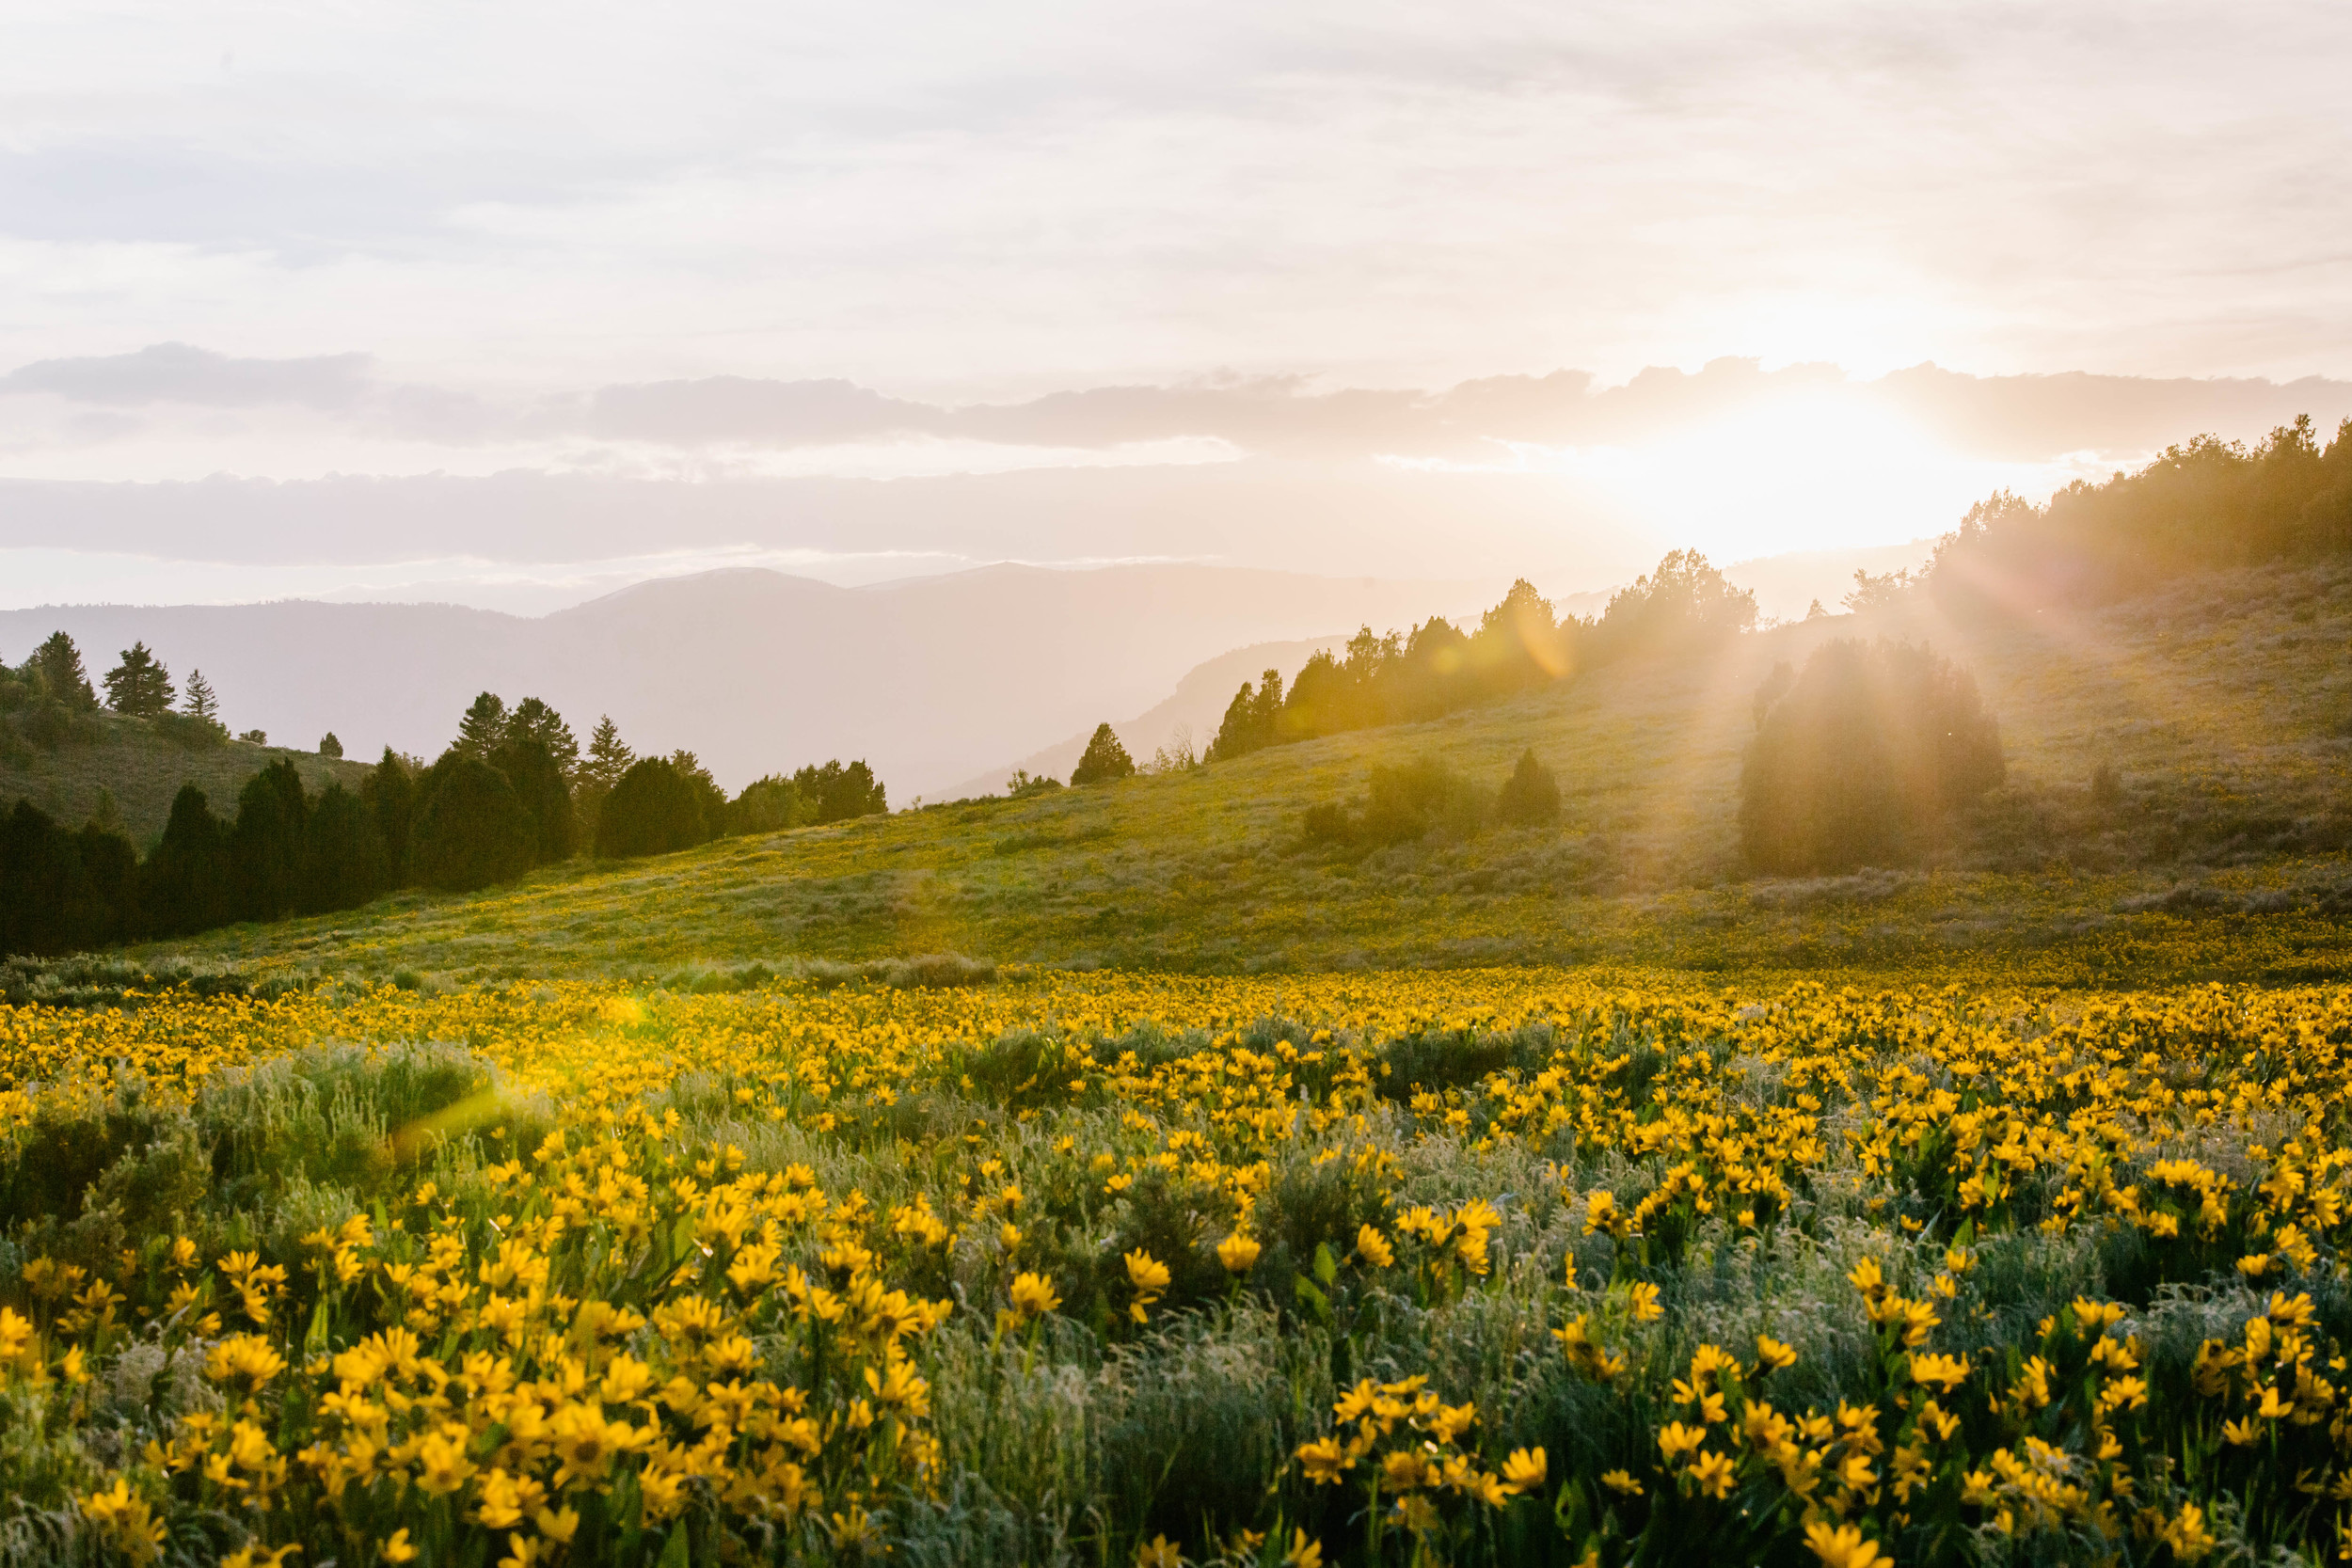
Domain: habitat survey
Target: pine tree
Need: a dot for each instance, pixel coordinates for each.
(265, 846)
(1530, 796)
(471, 831)
(608, 757)
(56, 671)
(390, 792)
(199, 701)
(330, 746)
(139, 686)
(343, 861)
(483, 728)
(534, 719)
(1105, 759)
(183, 886)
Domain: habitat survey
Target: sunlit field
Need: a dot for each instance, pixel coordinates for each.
(1468, 1266)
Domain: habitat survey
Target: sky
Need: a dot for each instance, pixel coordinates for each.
(513, 302)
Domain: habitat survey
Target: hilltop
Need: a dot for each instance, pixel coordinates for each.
(139, 769)
(2216, 703)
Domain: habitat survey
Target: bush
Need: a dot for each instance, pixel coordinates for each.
(472, 831)
(1863, 760)
(654, 810)
(1530, 796)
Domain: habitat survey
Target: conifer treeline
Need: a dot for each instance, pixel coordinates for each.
(1519, 643)
(514, 791)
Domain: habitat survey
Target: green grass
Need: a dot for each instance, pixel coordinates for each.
(2222, 703)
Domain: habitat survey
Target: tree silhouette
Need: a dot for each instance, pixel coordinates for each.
(390, 792)
(183, 886)
(472, 831)
(342, 866)
(139, 686)
(266, 845)
(482, 727)
(1105, 759)
(1863, 759)
(654, 810)
(1530, 796)
(55, 670)
(199, 701)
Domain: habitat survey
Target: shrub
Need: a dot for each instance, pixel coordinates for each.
(1530, 796)
(1864, 758)
(472, 831)
(654, 810)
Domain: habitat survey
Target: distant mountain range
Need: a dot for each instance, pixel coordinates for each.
(929, 679)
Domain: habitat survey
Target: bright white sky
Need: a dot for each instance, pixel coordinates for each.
(288, 242)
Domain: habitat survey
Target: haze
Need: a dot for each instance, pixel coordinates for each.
(515, 304)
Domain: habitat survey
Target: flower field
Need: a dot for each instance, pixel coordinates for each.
(1439, 1267)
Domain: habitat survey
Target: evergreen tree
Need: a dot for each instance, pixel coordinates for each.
(472, 831)
(139, 686)
(61, 892)
(769, 805)
(330, 746)
(183, 886)
(56, 672)
(1862, 760)
(608, 757)
(266, 845)
(654, 810)
(843, 791)
(543, 792)
(534, 721)
(1530, 796)
(343, 865)
(710, 801)
(483, 728)
(390, 791)
(1105, 759)
(198, 700)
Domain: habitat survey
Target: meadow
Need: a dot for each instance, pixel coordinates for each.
(1112, 1176)
(2221, 706)
(1478, 1266)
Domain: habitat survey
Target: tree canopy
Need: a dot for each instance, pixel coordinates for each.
(1105, 759)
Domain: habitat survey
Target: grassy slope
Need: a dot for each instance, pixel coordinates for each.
(142, 770)
(2221, 703)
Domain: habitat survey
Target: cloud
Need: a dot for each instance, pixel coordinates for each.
(2015, 418)
(179, 372)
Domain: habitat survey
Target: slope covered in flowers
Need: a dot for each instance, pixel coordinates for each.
(1477, 1266)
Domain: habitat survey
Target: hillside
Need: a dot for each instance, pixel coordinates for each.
(929, 678)
(141, 771)
(2220, 704)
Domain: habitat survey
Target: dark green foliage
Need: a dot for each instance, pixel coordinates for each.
(710, 801)
(471, 831)
(1402, 803)
(1864, 759)
(653, 811)
(1023, 785)
(1250, 719)
(330, 746)
(268, 844)
(187, 730)
(1530, 798)
(1105, 759)
(390, 793)
(842, 790)
(60, 891)
(540, 787)
(534, 721)
(2206, 503)
(343, 860)
(54, 672)
(768, 805)
(183, 887)
(257, 737)
(482, 727)
(139, 686)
